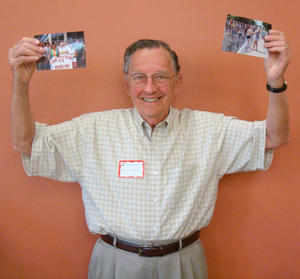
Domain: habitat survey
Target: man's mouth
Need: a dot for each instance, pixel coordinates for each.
(151, 100)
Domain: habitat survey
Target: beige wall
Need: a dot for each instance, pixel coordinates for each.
(255, 231)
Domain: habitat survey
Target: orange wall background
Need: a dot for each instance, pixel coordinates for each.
(255, 231)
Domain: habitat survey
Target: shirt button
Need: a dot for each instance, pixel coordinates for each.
(155, 173)
(154, 228)
(155, 199)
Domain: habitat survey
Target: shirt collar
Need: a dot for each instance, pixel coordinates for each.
(141, 123)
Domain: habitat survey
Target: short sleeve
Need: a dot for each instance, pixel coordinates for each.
(241, 147)
(57, 152)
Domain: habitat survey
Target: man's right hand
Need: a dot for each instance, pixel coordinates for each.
(22, 59)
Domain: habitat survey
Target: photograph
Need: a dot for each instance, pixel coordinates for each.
(245, 36)
(62, 51)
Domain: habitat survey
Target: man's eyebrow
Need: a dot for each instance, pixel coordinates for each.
(137, 72)
(158, 72)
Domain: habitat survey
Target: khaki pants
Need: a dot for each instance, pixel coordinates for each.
(108, 262)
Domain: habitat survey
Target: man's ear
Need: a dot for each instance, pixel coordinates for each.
(178, 83)
(127, 85)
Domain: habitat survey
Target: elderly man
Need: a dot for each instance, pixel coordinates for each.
(149, 174)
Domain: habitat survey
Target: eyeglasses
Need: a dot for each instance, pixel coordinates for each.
(159, 79)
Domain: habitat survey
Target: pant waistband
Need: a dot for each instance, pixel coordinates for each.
(151, 250)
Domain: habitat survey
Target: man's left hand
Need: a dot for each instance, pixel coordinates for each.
(280, 55)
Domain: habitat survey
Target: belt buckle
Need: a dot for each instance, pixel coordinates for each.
(160, 247)
(144, 246)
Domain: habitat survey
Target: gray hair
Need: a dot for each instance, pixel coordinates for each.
(150, 44)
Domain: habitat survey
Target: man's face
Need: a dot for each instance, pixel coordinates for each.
(152, 102)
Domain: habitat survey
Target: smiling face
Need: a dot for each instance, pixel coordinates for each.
(153, 102)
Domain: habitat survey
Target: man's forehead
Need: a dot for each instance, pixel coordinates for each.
(156, 51)
(150, 57)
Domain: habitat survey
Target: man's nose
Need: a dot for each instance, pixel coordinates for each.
(150, 86)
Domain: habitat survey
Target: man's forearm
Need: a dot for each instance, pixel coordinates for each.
(22, 122)
(278, 130)
(280, 55)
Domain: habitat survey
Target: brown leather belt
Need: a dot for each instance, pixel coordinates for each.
(151, 250)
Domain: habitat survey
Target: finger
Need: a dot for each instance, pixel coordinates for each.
(275, 32)
(285, 49)
(273, 38)
(32, 41)
(23, 60)
(278, 44)
(23, 51)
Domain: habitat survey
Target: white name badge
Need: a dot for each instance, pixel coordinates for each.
(131, 169)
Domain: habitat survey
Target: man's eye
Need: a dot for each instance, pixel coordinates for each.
(138, 77)
(161, 77)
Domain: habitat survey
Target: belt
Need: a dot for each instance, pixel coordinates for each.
(151, 250)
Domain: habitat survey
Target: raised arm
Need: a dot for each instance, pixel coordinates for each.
(280, 55)
(22, 58)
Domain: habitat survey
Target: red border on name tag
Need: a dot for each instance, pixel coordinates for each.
(131, 161)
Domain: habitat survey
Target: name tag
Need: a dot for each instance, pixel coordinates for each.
(131, 169)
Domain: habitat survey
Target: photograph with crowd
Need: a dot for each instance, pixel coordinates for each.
(62, 51)
(241, 34)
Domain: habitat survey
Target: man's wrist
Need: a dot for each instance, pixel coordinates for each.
(277, 87)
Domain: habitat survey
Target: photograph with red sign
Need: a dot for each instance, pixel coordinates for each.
(62, 51)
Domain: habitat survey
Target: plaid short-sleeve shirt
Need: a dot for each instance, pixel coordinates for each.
(184, 158)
